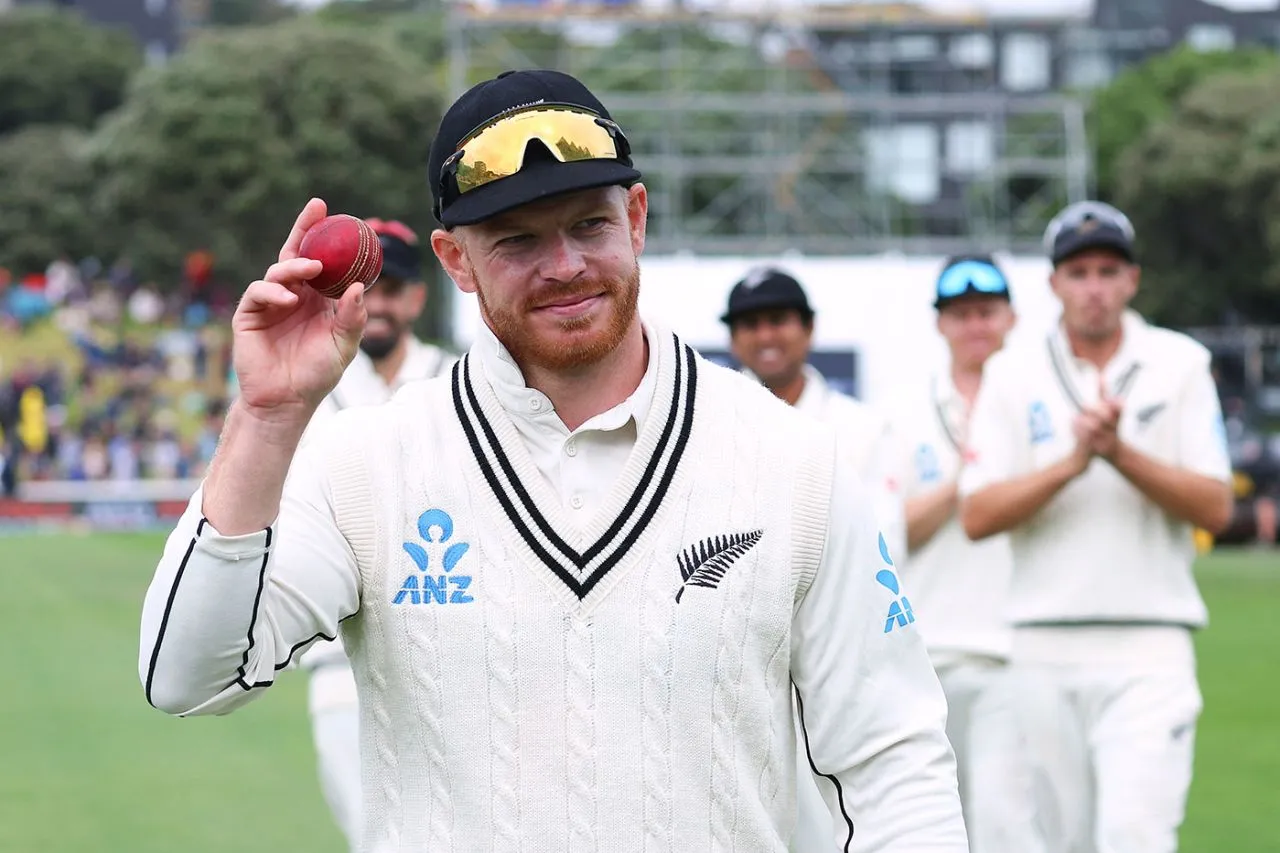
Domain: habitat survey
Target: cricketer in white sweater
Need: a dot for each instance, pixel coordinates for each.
(606, 678)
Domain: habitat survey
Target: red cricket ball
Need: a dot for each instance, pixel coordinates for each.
(348, 250)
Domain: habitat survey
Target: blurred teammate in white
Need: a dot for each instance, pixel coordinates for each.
(958, 587)
(389, 357)
(583, 579)
(1100, 447)
(770, 325)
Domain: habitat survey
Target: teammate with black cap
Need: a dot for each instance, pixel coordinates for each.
(770, 325)
(1099, 447)
(390, 357)
(579, 577)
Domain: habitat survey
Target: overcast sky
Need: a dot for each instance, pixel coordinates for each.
(1021, 7)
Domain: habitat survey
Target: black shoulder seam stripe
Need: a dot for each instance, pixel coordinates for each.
(668, 474)
(580, 561)
(492, 479)
(293, 651)
(844, 811)
(1060, 372)
(168, 609)
(253, 620)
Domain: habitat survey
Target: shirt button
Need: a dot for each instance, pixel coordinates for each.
(571, 447)
(576, 502)
(535, 403)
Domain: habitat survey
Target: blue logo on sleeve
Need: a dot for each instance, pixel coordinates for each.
(900, 613)
(435, 526)
(1040, 422)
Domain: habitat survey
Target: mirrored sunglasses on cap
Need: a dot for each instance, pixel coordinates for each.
(496, 149)
(1076, 215)
(971, 277)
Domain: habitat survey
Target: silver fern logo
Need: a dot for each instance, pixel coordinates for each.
(705, 563)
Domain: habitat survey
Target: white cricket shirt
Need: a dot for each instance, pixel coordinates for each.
(958, 586)
(362, 385)
(873, 443)
(1100, 552)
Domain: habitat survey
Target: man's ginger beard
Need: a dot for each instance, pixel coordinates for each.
(584, 347)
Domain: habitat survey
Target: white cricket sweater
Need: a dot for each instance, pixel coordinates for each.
(1100, 552)
(529, 683)
(362, 385)
(875, 446)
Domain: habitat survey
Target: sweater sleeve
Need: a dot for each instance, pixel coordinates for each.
(872, 711)
(224, 614)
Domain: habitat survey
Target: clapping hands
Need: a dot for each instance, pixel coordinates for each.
(1097, 427)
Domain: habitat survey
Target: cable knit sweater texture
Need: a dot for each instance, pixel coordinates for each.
(527, 684)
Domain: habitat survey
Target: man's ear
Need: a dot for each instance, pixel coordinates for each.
(451, 251)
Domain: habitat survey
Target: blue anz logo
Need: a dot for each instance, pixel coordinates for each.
(1040, 422)
(900, 613)
(435, 526)
(927, 468)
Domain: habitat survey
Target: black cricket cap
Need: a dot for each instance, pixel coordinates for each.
(401, 253)
(540, 177)
(1089, 225)
(766, 289)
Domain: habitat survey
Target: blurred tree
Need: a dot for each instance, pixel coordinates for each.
(220, 148)
(238, 13)
(46, 178)
(1203, 190)
(419, 26)
(56, 68)
(1121, 112)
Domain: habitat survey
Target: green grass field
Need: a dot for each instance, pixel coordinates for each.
(87, 767)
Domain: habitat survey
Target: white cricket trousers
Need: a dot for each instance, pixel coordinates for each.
(335, 729)
(1112, 746)
(994, 774)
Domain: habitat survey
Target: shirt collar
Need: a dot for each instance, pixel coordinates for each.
(524, 403)
(815, 389)
(1133, 330)
(1119, 372)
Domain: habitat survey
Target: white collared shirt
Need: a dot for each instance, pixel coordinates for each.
(581, 464)
(1100, 552)
(872, 440)
(960, 586)
(362, 385)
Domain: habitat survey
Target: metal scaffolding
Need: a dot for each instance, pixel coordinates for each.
(762, 146)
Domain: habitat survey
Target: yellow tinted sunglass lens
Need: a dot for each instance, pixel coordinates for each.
(498, 150)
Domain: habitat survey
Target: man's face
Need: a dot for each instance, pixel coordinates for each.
(773, 344)
(393, 306)
(1095, 287)
(974, 326)
(558, 280)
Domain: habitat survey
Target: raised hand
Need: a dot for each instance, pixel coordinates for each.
(290, 344)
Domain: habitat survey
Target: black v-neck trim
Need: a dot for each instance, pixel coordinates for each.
(572, 568)
(1061, 373)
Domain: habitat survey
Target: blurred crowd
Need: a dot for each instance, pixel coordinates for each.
(105, 377)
